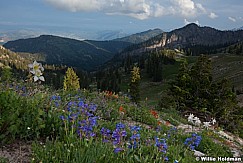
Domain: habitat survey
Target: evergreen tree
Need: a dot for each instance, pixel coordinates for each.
(195, 90)
(134, 84)
(71, 80)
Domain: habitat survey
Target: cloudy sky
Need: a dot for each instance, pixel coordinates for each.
(129, 16)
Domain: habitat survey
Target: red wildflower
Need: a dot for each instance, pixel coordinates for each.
(154, 113)
(121, 110)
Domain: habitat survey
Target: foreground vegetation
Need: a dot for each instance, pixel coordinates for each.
(128, 118)
(87, 127)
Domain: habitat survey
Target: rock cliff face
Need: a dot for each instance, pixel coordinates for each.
(192, 34)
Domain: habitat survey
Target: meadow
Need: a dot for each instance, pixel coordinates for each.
(93, 126)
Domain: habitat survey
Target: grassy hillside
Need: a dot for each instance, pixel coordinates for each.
(223, 66)
(229, 66)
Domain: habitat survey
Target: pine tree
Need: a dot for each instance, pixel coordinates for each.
(195, 89)
(71, 80)
(134, 85)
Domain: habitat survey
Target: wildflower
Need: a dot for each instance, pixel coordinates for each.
(213, 121)
(117, 150)
(176, 161)
(35, 66)
(28, 128)
(118, 134)
(120, 126)
(190, 118)
(206, 124)
(135, 138)
(197, 121)
(36, 69)
(121, 109)
(105, 133)
(62, 117)
(161, 144)
(162, 147)
(154, 113)
(38, 76)
(172, 132)
(193, 141)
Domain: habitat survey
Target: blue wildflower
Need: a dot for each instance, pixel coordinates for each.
(120, 126)
(117, 150)
(193, 142)
(135, 138)
(62, 117)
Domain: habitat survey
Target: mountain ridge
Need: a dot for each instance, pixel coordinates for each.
(187, 37)
(90, 54)
(141, 37)
(86, 54)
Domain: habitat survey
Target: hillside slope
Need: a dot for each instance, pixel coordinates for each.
(85, 54)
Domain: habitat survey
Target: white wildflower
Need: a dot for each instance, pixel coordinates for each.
(38, 76)
(190, 118)
(213, 121)
(206, 124)
(197, 121)
(36, 69)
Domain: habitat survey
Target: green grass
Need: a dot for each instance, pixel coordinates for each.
(229, 66)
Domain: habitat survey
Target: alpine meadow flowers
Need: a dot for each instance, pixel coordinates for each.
(36, 69)
(193, 141)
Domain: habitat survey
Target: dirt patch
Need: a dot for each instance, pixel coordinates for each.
(17, 152)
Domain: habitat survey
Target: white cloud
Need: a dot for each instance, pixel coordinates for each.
(186, 8)
(200, 6)
(213, 15)
(140, 9)
(189, 22)
(232, 19)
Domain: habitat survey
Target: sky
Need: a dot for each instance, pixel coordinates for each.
(128, 16)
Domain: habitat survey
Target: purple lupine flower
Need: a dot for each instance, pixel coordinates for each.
(117, 150)
(92, 107)
(135, 138)
(120, 126)
(80, 104)
(162, 147)
(105, 133)
(161, 144)
(118, 133)
(62, 117)
(193, 142)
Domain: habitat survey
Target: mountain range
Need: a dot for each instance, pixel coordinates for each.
(86, 54)
(90, 54)
(191, 35)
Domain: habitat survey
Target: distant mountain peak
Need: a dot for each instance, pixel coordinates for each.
(142, 36)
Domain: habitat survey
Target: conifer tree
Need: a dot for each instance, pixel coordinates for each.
(71, 80)
(134, 85)
(195, 89)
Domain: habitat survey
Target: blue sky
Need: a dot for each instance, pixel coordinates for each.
(129, 16)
